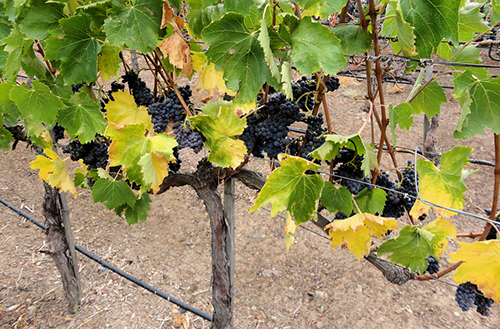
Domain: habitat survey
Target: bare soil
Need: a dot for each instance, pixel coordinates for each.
(310, 286)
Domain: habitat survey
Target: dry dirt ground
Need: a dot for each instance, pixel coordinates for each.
(310, 286)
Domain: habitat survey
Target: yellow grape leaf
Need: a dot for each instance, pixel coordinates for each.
(290, 228)
(123, 111)
(53, 171)
(481, 266)
(209, 79)
(443, 186)
(354, 232)
(442, 229)
(155, 168)
(179, 53)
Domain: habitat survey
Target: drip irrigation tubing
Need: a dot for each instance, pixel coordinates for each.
(117, 270)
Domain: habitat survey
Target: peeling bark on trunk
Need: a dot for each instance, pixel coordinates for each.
(58, 246)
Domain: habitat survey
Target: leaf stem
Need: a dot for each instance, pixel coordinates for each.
(440, 273)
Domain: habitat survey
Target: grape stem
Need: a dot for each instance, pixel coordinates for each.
(440, 273)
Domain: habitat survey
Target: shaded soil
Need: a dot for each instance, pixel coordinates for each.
(310, 286)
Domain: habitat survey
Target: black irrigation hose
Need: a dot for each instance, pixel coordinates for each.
(117, 270)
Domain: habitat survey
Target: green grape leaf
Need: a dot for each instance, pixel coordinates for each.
(238, 51)
(109, 61)
(495, 14)
(33, 66)
(443, 186)
(77, 49)
(442, 230)
(14, 44)
(429, 100)
(137, 212)
(353, 38)
(469, 54)
(8, 107)
(433, 21)
(314, 48)
(239, 6)
(369, 160)
(336, 199)
(112, 193)
(198, 19)
(82, 118)
(136, 25)
(42, 17)
(400, 115)
(333, 143)
(37, 104)
(130, 144)
(406, 35)
(481, 266)
(268, 54)
(289, 187)
(484, 105)
(471, 21)
(370, 201)
(220, 124)
(354, 232)
(286, 79)
(329, 7)
(410, 248)
(5, 136)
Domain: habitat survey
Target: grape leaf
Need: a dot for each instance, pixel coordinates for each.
(42, 17)
(53, 171)
(77, 49)
(484, 105)
(123, 111)
(177, 49)
(82, 118)
(354, 232)
(429, 100)
(137, 212)
(353, 38)
(481, 266)
(33, 66)
(443, 186)
(239, 6)
(37, 104)
(14, 46)
(336, 199)
(333, 143)
(237, 50)
(209, 79)
(433, 21)
(5, 136)
(289, 187)
(406, 35)
(471, 21)
(400, 115)
(268, 54)
(370, 201)
(8, 108)
(155, 168)
(109, 61)
(81, 175)
(130, 144)
(220, 124)
(314, 48)
(410, 248)
(136, 25)
(442, 229)
(113, 193)
(369, 160)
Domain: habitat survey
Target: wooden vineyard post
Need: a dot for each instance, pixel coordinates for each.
(229, 206)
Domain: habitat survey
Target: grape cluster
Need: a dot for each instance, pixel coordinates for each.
(169, 109)
(468, 295)
(142, 94)
(186, 136)
(58, 132)
(302, 93)
(94, 154)
(332, 83)
(350, 171)
(493, 234)
(76, 87)
(433, 266)
(115, 86)
(175, 166)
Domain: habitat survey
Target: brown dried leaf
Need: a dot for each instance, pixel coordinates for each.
(168, 15)
(179, 52)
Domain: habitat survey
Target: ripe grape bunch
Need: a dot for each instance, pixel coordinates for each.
(433, 266)
(187, 137)
(169, 110)
(467, 295)
(94, 154)
(142, 94)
